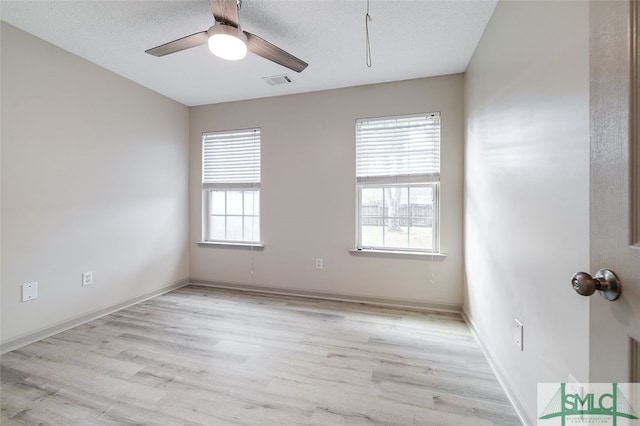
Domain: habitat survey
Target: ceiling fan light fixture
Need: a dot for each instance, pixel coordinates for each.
(227, 42)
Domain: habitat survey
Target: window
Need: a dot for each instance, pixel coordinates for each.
(231, 186)
(398, 176)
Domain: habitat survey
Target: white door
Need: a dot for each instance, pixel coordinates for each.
(615, 188)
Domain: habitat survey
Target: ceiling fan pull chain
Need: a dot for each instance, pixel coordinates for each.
(367, 19)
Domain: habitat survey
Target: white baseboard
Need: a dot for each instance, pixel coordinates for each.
(516, 399)
(25, 339)
(341, 297)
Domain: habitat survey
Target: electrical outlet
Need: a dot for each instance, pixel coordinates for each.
(87, 278)
(518, 335)
(319, 263)
(29, 291)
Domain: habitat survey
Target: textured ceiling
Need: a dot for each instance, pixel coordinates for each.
(409, 39)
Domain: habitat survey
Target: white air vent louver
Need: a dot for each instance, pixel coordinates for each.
(277, 80)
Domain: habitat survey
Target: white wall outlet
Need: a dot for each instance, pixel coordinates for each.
(319, 263)
(87, 278)
(29, 291)
(518, 335)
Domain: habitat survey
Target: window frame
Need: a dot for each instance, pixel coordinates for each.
(427, 179)
(206, 225)
(227, 185)
(435, 236)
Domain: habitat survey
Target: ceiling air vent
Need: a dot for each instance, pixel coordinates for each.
(277, 80)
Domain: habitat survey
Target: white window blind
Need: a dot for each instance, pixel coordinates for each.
(398, 149)
(231, 159)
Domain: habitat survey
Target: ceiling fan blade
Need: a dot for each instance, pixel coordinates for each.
(225, 11)
(183, 43)
(273, 53)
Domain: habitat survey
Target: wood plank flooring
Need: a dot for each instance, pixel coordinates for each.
(204, 356)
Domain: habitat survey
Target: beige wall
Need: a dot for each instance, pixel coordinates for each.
(527, 192)
(308, 193)
(94, 178)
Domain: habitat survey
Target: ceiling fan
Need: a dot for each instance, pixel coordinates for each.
(228, 41)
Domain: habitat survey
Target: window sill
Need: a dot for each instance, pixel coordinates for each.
(399, 254)
(223, 244)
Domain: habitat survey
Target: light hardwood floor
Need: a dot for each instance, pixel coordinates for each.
(206, 356)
